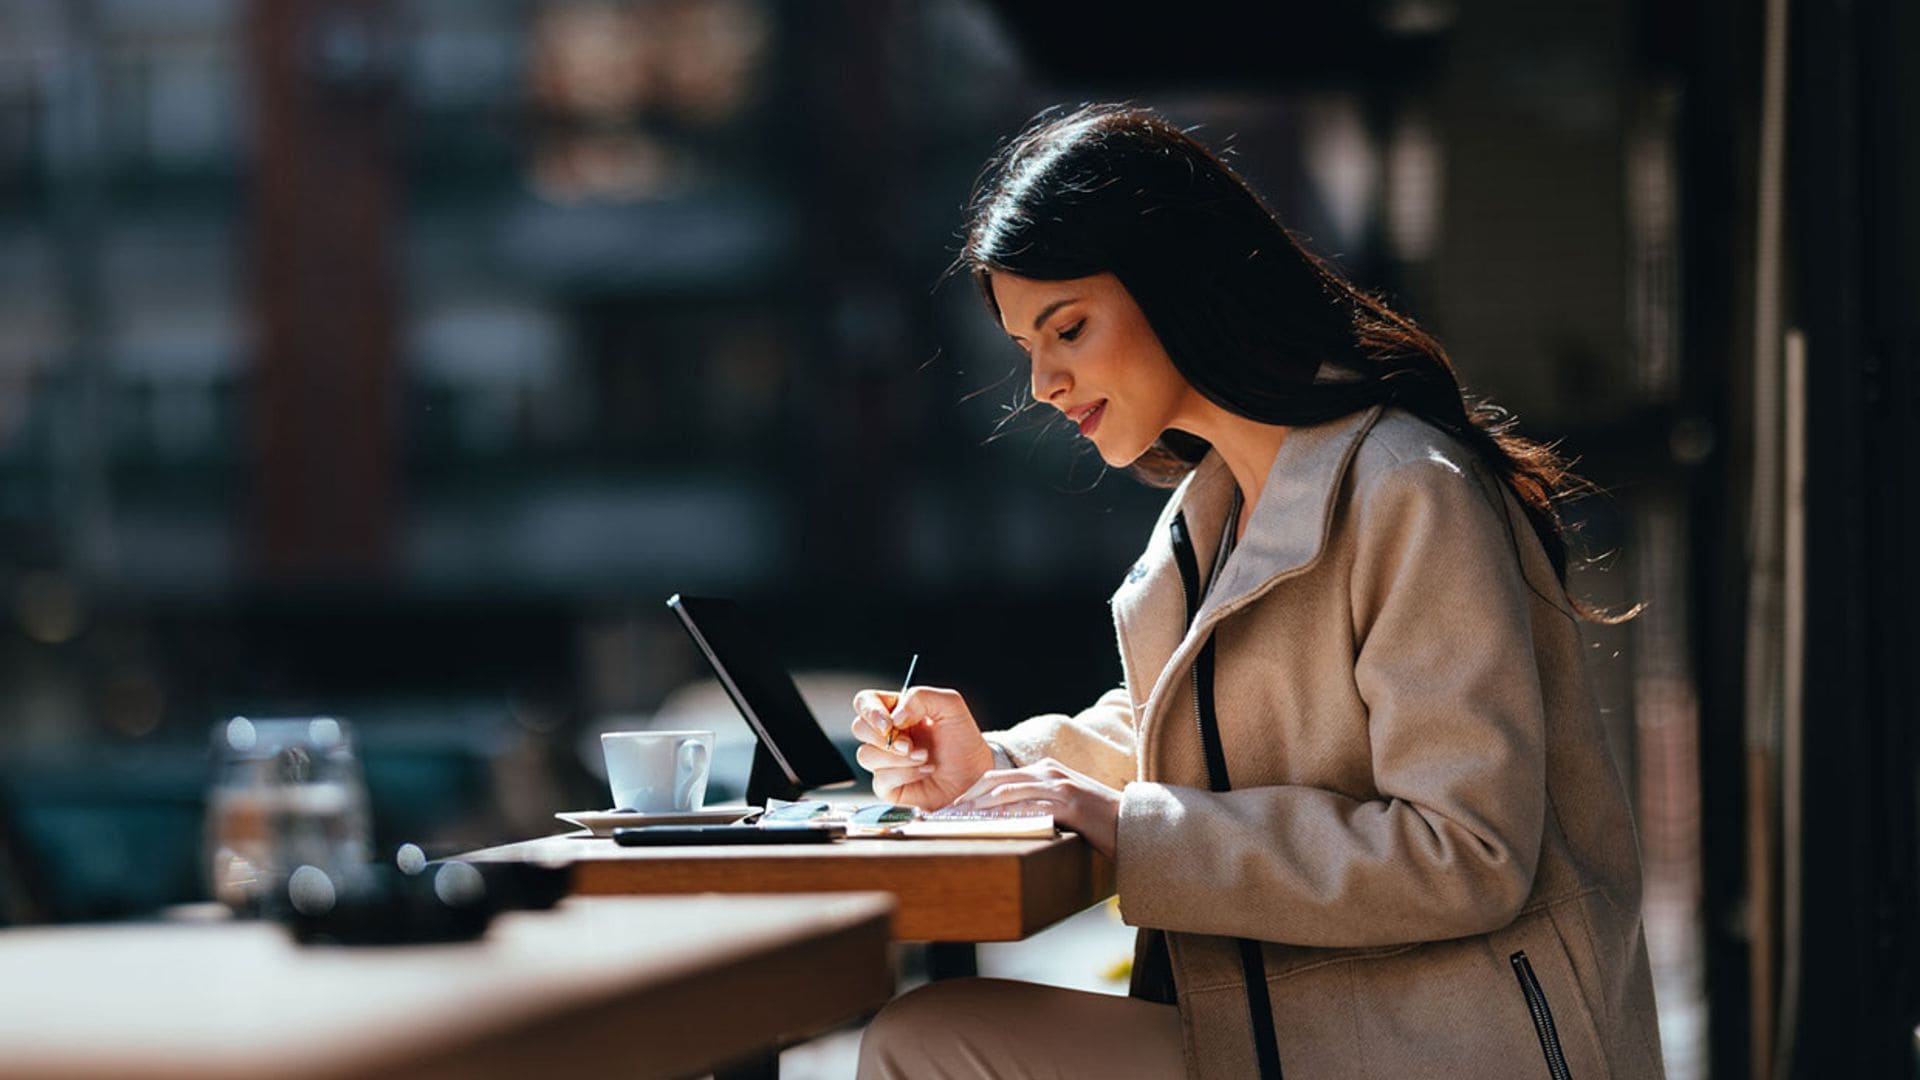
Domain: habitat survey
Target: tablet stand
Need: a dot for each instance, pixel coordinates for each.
(768, 780)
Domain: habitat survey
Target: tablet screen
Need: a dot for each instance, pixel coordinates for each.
(762, 690)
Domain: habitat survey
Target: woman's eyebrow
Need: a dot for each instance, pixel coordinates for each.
(1051, 308)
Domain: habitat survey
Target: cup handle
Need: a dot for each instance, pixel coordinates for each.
(690, 770)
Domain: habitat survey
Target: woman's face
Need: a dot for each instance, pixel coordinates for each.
(1096, 359)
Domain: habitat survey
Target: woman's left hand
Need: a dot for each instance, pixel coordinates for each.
(1076, 801)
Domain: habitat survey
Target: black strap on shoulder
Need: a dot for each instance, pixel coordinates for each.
(1253, 963)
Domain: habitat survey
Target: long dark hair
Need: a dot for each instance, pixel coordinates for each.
(1258, 324)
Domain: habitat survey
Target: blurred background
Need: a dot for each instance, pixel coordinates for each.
(395, 361)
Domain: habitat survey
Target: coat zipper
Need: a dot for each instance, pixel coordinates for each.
(1190, 584)
(1253, 963)
(1542, 1017)
(1214, 753)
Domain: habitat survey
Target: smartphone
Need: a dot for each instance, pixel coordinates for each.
(678, 835)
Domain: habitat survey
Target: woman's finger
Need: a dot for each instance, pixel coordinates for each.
(868, 731)
(1022, 791)
(874, 727)
(990, 780)
(871, 708)
(871, 722)
(986, 781)
(869, 736)
(875, 702)
(891, 780)
(1034, 806)
(927, 705)
(873, 758)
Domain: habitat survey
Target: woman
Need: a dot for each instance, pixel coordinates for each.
(1355, 785)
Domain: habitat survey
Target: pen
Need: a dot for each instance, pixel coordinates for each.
(904, 683)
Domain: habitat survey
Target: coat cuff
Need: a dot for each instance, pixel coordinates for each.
(1150, 861)
(1026, 743)
(1001, 759)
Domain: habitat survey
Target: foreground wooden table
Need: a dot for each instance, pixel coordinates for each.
(596, 988)
(948, 890)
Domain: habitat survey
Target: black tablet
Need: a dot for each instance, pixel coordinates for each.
(791, 739)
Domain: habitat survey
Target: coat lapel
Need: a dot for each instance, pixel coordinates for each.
(1150, 607)
(1290, 523)
(1286, 533)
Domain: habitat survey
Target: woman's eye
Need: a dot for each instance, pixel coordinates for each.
(1073, 331)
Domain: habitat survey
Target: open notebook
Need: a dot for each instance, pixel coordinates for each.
(888, 820)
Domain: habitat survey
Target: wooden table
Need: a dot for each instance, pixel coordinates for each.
(596, 988)
(948, 890)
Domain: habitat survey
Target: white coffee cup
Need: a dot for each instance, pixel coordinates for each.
(657, 771)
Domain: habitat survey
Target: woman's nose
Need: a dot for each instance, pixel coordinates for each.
(1048, 381)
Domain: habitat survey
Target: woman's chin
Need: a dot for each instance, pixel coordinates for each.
(1119, 460)
(1115, 449)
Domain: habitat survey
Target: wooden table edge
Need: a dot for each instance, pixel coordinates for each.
(1007, 896)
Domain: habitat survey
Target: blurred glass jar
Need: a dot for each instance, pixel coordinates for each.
(286, 793)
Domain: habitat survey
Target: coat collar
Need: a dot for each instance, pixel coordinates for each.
(1287, 532)
(1291, 520)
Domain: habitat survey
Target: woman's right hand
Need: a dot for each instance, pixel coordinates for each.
(936, 753)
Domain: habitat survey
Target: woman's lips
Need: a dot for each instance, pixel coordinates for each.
(1091, 418)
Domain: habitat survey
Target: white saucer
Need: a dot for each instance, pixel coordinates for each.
(603, 822)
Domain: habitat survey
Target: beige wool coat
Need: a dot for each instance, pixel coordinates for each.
(1425, 815)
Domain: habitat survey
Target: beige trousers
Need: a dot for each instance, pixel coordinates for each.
(978, 1028)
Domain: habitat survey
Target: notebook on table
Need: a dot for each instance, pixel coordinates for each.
(888, 820)
(978, 824)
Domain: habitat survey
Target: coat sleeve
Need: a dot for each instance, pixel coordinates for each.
(1444, 662)
(1098, 740)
